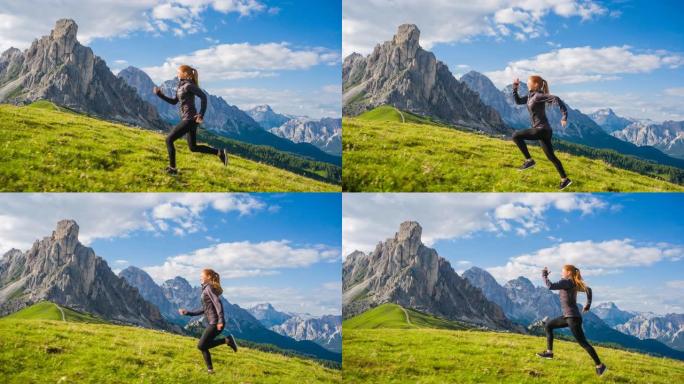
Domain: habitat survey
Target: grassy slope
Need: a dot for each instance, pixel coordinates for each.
(50, 351)
(46, 149)
(398, 353)
(394, 316)
(46, 310)
(382, 154)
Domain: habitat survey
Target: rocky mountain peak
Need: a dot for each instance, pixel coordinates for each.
(408, 37)
(66, 229)
(65, 29)
(409, 231)
(521, 283)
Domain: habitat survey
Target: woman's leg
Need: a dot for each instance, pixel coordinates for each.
(176, 133)
(575, 324)
(207, 341)
(558, 322)
(519, 138)
(548, 151)
(192, 143)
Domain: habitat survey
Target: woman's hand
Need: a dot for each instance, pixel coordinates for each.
(545, 271)
(516, 83)
(199, 119)
(585, 309)
(219, 326)
(564, 123)
(156, 90)
(183, 311)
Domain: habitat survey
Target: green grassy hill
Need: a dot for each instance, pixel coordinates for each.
(389, 350)
(36, 346)
(394, 316)
(45, 148)
(46, 310)
(382, 153)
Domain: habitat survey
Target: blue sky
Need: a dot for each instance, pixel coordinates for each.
(627, 55)
(278, 248)
(629, 246)
(250, 52)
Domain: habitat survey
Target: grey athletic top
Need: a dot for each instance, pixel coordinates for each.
(568, 295)
(212, 308)
(185, 93)
(536, 106)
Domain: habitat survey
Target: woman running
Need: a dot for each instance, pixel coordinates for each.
(212, 309)
(536, 102)
(571, 282)
(188, 88)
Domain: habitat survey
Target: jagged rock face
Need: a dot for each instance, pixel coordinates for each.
(611, 314)
(266, 117)
(325, 133)
(490, 95)
(58, 68)
(519, 298)
(667, 136)
(149, 290)
(400, 73)
(404, 271)
(668, 329)
(267, 315)
(60, 269)
(325, 331)
(609, 121)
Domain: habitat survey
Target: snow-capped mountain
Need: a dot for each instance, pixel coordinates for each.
(609, 121)
(325, 133)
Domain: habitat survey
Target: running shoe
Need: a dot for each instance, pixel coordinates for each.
(545, 355)
(600, 369)
(210, 371)
(564, 184)
(223, 155)
(230, 341)
(171, 170)
(529, 163)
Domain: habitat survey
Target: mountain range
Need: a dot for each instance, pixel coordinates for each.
(58, 68)
(528, 305)
(401, 270)
(325, 330)
(177, 293)
(401, 73)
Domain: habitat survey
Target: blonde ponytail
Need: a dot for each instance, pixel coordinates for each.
(576, 277)
(195, 77)
(190, 71)
(542, 85)
(214, 280)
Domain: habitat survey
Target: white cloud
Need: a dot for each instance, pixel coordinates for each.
(121, 262)
(677, 92)
(244, 259)
(586, 64)
(370, 218)
(665, 105)
(676, 284)
(323, 102)
(325, 299)
(25, 217)
(20, 23)
(244, 60)
(367, 23)
(592, 257)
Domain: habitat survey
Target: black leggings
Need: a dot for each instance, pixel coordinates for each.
(544, 137)
(207, 341)
(188, 127)
(575, 325)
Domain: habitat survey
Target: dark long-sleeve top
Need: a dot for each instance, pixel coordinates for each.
(185, 93)
(568, 295)
(536, 106)
(212, 308)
